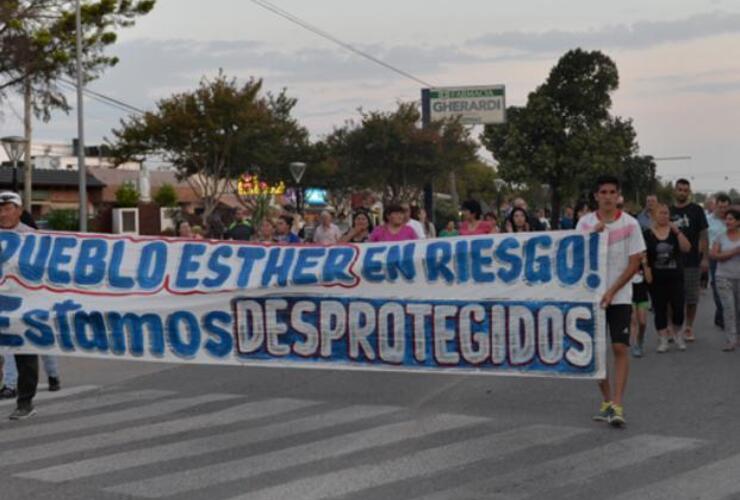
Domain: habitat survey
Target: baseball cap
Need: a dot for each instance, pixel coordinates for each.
(10, 197)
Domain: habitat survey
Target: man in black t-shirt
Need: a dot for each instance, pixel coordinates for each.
(692, 221)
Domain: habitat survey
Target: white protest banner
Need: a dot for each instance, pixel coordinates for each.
(510, 304)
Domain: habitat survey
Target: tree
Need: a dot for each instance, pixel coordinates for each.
(166, 196)
(38, 47)
(211, 135)
(38, 38)
(390, 152)
(127, 196)
(477, 180)
(565, 136)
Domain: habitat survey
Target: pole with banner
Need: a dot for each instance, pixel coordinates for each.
(472, 105)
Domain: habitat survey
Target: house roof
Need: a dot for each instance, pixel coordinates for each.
(114, 178)
(48, 178)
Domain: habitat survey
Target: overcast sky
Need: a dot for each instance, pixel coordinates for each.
(678, 62)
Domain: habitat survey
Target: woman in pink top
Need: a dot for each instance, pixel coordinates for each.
(394, 228)
(471, 212)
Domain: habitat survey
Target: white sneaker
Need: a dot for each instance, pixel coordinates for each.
(662, 344)
(680, 342)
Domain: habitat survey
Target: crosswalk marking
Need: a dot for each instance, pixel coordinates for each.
(114, 417)
(713, 481)
(564, 470)
(51, 396)
(204, 445)
(97, 400)
(335, 446)
(242, 413)
(420, 463)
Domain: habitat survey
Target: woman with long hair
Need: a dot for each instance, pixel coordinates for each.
(420, 214)
(665, 245)
(518, 221)
(360, 230)
(726, 251)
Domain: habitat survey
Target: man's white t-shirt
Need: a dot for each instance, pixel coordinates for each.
(326, 236)
(625, 240)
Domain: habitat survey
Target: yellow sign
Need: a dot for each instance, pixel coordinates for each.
(251, 185)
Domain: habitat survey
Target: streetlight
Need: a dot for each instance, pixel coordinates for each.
(297, 169)
(14, 147)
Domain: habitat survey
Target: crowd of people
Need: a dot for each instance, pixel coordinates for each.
(658, 262)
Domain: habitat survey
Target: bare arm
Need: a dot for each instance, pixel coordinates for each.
(720, 256)
(646, 270)
(704, 248)
(683, 242)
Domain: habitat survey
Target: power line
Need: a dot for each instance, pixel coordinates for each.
(104, 98)
(71, 88)
(318, 31)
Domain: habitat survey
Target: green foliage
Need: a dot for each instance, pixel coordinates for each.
(38, 43)
(166, 196)
(565, 136)
(390, 152)
(127, 196)
(63, 220)
(215, 133)
(445, 211)
(476, 181)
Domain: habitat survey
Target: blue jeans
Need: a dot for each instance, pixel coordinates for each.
(719, 318)
(10, 370)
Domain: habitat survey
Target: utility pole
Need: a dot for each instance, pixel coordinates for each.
(27, 167)
(81, 125)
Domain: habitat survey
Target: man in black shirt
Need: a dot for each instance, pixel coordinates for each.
(692, 221)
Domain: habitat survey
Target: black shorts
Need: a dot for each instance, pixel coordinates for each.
(618, 320)
(640, 294)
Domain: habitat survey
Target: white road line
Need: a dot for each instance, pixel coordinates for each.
(421, 463)
(713, 481)
(97, 400)
(42, 395)
(184, 481)
(203, 445)
(567, 469)
(242, 413)
(115, 417)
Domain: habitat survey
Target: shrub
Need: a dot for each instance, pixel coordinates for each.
(63, 220)
(127, 196)
(166, 196)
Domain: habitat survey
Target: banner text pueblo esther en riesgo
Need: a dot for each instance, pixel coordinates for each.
(523, 304)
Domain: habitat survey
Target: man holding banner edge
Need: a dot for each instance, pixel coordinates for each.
(625, 249)
(11, 210)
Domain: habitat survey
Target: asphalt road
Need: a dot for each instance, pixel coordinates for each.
(127, 430)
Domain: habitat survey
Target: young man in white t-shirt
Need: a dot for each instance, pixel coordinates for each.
(626, 247)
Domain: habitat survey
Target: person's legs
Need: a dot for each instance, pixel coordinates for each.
(659, 296)
(10, 371)
(727, 295)
(618, 319)
(28, 378)
(736, 288)
(51, 367)
(638, 326)
(718, 317)
(692, 279)
(621, 372)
